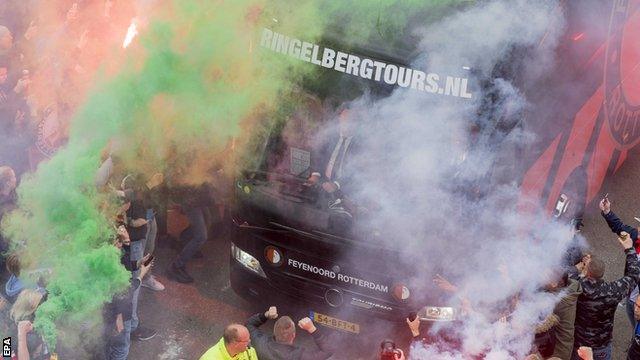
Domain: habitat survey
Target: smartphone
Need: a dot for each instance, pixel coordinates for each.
(149, 260)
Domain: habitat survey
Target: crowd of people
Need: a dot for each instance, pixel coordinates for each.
(580, 326)
(37, 92)
(139, 199)
(585, 314)
(49, 55)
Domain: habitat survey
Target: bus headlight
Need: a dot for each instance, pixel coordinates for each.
(435, 313)
(246, 260)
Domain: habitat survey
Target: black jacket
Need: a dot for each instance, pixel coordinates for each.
(634, 348)
(268, 349)
(598, 303)
(7, 204)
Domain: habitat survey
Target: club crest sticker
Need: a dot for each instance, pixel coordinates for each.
(622, 74)
(273, 255)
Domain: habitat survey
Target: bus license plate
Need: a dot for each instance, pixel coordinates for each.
(334, 323)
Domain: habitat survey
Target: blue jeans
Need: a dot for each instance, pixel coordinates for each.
(603, 353)
(196, 234)
(118, 345)
(137, 252)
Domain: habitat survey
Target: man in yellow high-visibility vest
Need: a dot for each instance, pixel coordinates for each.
(234, 345)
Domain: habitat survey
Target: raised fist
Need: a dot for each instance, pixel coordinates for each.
(272, 313)
(25, 327)
(307, 325)
(625, 240)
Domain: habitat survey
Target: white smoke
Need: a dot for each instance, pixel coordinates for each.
(434, 188)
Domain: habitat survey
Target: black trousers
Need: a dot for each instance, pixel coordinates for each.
(634, 349)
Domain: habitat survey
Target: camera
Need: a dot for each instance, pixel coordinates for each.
(388, 350)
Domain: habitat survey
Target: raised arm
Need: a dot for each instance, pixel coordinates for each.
(615, 224)
(24, 327)
(257, 320)
(632, 267)
(312, 354)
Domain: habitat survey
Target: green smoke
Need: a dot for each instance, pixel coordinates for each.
(187, 84)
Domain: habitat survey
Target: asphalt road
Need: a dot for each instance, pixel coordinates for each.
(191, 318)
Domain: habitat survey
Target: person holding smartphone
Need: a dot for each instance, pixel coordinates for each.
(137, 225)
(118, 313)
(149, 194)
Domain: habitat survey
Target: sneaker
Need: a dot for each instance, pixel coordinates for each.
(185, 274)
(152, 283)
(142, 333)
(179, 274)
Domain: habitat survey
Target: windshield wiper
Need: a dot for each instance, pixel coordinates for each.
(330, 238)
(291, 229)
(245, 225)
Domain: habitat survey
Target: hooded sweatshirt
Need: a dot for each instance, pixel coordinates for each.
(12, 288)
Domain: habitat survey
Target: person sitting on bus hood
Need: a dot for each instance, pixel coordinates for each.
(280, 346)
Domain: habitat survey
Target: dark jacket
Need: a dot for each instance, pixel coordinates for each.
(617, 226)
(268, 349)
(344, 169)
(598, 303)
(634, 349)
(7, 204)
(566, 312)
(136, 211)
